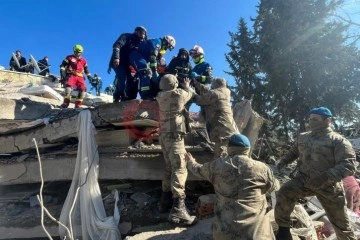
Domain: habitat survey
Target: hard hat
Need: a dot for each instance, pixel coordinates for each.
(78, 48)
(196, 50)
(170, 41)
(168, 82)
(140, 28)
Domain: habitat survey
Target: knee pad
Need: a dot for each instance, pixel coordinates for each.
(68, 91)
(81, 94)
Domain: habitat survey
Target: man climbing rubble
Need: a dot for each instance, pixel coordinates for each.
(325, 158)
(72, 71)
(240, 184)
(172, 102)
(219, 115)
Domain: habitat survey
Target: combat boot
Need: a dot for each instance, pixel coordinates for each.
(66, 102)
(284, 234)
(165, 202)
(179, 213)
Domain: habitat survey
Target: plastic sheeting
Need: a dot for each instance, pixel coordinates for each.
(83, 211)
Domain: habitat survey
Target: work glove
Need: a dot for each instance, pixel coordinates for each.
(193, 75)
(89, 77)
(318, 181)
(281, 164)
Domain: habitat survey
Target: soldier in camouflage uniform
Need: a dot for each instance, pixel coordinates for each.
(172, 102)
(240, 184)
(218, 113)
(325, 158)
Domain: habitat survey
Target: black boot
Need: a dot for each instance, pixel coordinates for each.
(165, 202)
(284, 234)
(179, 213)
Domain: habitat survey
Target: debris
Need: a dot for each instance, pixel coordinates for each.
(118, 186)
(205, 206)
(140, 198)
(125, 227)
(22, 158)
(34, 202)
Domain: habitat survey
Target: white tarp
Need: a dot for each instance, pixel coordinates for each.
(88, 217)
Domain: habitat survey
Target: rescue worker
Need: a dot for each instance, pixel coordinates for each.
(20, 59)
(172, 102)
(240, 185)
(180, 65)
(44, 66)
(126, 87)
(325, 158)
(109, 90)
(219, 115)
(96, 83)
(144, 60)
(72, 71)
(202, 71)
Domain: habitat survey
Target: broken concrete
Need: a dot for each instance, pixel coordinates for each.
(127, 140)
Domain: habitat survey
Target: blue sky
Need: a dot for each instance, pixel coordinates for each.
(52, 28)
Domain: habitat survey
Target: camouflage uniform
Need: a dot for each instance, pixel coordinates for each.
(319, 152)
(172, 131)
(240, 185)
(219, 115)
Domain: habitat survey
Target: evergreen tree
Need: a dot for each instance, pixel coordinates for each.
(306, 61)
(242, 60)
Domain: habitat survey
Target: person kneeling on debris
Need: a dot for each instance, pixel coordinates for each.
(241, 185)
(325, 158)
(172, 102)
(72, 71)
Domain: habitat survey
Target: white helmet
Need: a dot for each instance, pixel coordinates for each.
(170, 42)
(196, 50)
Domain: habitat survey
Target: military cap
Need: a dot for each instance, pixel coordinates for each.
(240, 140)
(323, 111)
